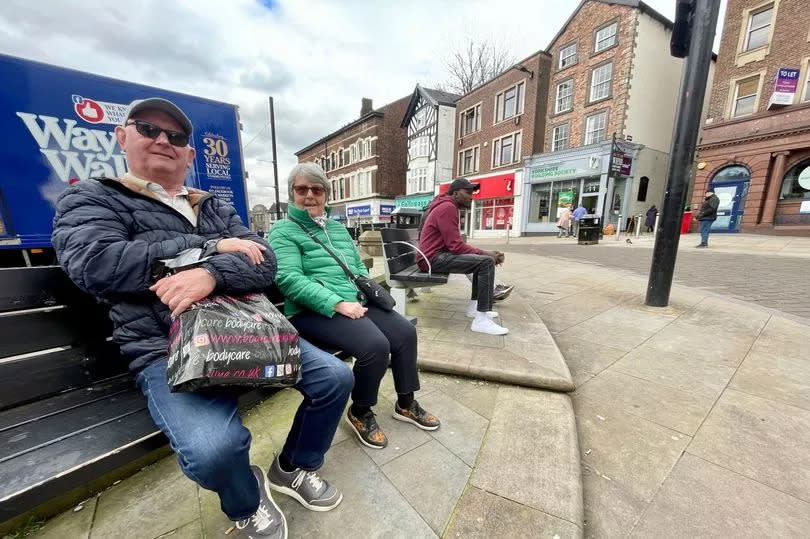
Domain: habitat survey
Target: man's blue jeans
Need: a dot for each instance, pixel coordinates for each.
(212, 445)
(705, 228)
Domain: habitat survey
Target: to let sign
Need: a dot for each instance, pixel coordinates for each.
(784, 89)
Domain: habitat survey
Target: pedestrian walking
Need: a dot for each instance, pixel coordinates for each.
(707, 216)
(564, 221)
(652, 214)
(577, 216)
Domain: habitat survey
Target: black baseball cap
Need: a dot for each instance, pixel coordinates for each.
(463, 183)
(163, 105)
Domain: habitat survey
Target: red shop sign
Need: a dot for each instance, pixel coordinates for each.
(501, 186)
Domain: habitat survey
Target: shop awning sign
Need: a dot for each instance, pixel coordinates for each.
(359, 211)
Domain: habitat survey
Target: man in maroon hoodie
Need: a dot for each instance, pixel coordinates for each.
(440, 241)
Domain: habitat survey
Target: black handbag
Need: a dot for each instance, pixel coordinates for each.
(368, 290)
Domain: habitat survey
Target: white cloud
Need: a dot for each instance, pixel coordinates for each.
(316, 58)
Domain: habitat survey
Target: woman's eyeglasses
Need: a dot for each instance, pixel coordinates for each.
(301, 190)
(150, 130)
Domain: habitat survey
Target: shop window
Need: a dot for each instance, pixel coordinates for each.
(605, 37)
(759, 28)
(745, 96)
(731, 174)
(643, 184)
(796, 183)
(493, 214)
(568, 55)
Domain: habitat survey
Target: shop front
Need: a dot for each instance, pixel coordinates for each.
(493, 209)
(338, 212)
(373, 211)
(598, 177)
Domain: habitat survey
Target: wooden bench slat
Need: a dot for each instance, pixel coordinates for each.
(23, 332)
(29, 288)
(42, 375)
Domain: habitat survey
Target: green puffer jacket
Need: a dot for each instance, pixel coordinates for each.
(307, 275)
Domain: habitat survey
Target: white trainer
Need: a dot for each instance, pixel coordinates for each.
(484, 324)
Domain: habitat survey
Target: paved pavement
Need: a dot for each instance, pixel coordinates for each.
(765, 270)
(690, 421)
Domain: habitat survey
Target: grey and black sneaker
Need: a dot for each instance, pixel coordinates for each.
(268, 520)
(311, 490)
(502, 292)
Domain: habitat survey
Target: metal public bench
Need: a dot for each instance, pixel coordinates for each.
(71, 419)
(402, 272)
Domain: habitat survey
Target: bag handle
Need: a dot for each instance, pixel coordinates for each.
(349, 273)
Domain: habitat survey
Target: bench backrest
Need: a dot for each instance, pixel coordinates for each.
(53, 337)
(397, 255)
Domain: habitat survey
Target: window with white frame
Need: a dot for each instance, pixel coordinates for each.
(419, 147)
(360, 154)
(759, 28)
(367, 147)
(506, 150)
(564, 101)
(568, 55)
(559, 138)
(596, 128)
(605, 37)
(470, 120)
(353, 153)
(509, 103)
(601, 78)
(806, 96)
(342, 158)
(417, 180)
(745, 97)
(333, 191)
(468, 160)
(342, 187)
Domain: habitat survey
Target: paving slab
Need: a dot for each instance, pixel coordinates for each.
(775, 377)
(192, 530)
(610, 509)
(672, 408)
(71, 524)
(462, 430)
(537, 430)
(586, 359)
(212, 519)
(432, 479)
(763, 440)
(371, 507)
(701, 499)
(634, 453)
(481, 514)
(784, 337)
(523, 363)
(132, 508)
(477, 395)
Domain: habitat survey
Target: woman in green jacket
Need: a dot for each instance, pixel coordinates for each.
(322, 303)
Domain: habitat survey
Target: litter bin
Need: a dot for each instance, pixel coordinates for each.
(589, 229)
(686, 222)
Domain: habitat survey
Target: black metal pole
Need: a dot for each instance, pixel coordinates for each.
(275, 159)
(687, 125)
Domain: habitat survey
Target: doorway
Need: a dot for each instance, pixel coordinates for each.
(730, 211)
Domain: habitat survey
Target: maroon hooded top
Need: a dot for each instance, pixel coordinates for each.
(440, 231)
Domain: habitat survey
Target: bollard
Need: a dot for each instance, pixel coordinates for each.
(619, 227)
(655, 227)
(638, 225)
(508, 225)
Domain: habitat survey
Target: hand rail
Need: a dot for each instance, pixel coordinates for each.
(415, 248)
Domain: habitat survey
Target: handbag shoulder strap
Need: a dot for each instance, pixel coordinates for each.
(349, 273)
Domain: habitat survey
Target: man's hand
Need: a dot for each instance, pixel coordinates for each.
(181, 290)
(253, 250)
(351, 309)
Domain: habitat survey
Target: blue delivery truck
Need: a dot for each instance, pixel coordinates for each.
(58, 129)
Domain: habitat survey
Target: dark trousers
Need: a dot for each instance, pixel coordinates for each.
(482, 268)
(370, 340)
(705, 228)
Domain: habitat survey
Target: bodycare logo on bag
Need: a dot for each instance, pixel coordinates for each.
(75, 152)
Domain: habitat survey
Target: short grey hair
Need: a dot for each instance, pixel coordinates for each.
(311, 172)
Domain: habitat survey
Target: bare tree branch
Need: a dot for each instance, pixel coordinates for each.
(473, 64)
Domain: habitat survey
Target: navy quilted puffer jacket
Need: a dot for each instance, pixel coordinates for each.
(107, 233)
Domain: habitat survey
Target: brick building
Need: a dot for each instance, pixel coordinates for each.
(754, 150)
(611, 73)
(365, 162)
(497, 125)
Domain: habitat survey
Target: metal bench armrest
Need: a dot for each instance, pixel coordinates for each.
(415, 248)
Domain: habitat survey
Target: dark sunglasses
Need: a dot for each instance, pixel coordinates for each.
(301, 190)
(149, 130)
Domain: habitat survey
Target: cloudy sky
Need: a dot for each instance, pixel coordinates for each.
(317, 58)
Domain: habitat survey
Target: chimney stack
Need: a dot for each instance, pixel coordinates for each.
(365, 106)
